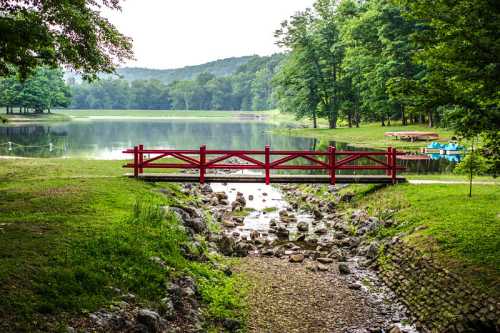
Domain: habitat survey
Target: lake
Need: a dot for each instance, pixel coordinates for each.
(105, 139)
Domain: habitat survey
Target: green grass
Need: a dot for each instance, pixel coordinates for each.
(452, 177)
(368, 135)
(28, 118)
(160, 113)
(72, 229)
(463, 233)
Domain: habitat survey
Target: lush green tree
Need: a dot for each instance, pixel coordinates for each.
(52, 33)
(248, 88)
(459, 44)
(43, 90)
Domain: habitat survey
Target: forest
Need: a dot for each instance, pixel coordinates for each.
(427, 62)
(380, 60)
(245, 87)
(44, 90)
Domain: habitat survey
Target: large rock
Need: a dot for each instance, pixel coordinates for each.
(344, 268)
(236, 206)
(150, 319)
(191, 218)
(254, 234)
(241, 249)
(282, 232)
(241, 199)
(321, 231)
(372, 251)
(303, 226)
(325, 260)
(198, 225)
(317, 214)
(229, 224)
(297, 258)
(226, 245)
(221, 195)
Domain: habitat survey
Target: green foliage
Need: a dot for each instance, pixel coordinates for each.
(218, 68)
(458, 43)
(68, 238)
(224, 295)
(35, 33)
(247, 87)
(461, 232)
(43, 90)
(474, 164)
(120, 94)
(381, 60)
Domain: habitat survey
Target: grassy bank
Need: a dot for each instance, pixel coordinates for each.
(462, 233)
(32, 118)
(163, 113)
(368, 135)
(71, 231)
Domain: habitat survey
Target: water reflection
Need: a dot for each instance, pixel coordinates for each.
(105, 139)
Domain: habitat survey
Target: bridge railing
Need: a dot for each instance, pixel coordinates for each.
(204, 159)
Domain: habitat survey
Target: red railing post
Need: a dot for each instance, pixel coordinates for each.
(267, 152)
(141, 158)
(136, 161)
(332, 161)
(388, 161)
(394, 165)
(203, 161)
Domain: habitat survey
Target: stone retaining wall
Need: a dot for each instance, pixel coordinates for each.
(439, 300)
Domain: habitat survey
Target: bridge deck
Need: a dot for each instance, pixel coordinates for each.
(302, 179)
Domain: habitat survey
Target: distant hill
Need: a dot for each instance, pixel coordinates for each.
(219, 68)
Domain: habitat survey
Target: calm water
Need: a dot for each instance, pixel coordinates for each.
(105, 139)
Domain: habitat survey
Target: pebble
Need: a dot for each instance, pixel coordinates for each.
(297, 258)
(344, 268)
(325, 260)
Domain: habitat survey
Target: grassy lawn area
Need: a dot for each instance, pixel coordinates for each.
(161, 113)
(27, 118)
(72, 230)
(368, 135)
(441, 220)
(452, 178)
(463, 233)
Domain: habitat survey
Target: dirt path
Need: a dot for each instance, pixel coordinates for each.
(287, 297)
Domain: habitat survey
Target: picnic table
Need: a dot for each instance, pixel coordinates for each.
(413, 135)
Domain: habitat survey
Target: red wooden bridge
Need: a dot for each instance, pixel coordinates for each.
(331, 162)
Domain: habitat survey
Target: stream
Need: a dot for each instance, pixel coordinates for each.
(269, 211)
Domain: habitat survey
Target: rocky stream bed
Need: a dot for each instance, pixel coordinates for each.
(310, 270)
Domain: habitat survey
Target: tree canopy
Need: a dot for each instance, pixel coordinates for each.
(52, 33)
(247, 88)
(382, 60)
(43, 90)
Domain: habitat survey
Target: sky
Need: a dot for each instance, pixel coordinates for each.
(177, 33)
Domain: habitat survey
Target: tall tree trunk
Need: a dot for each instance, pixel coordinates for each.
(403, 116)
(357, 118)
(332, 121)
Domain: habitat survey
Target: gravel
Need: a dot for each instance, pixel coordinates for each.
(286, 297)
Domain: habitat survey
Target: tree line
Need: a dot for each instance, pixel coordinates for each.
(42, 91)
(417, 61)
(248, 88)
